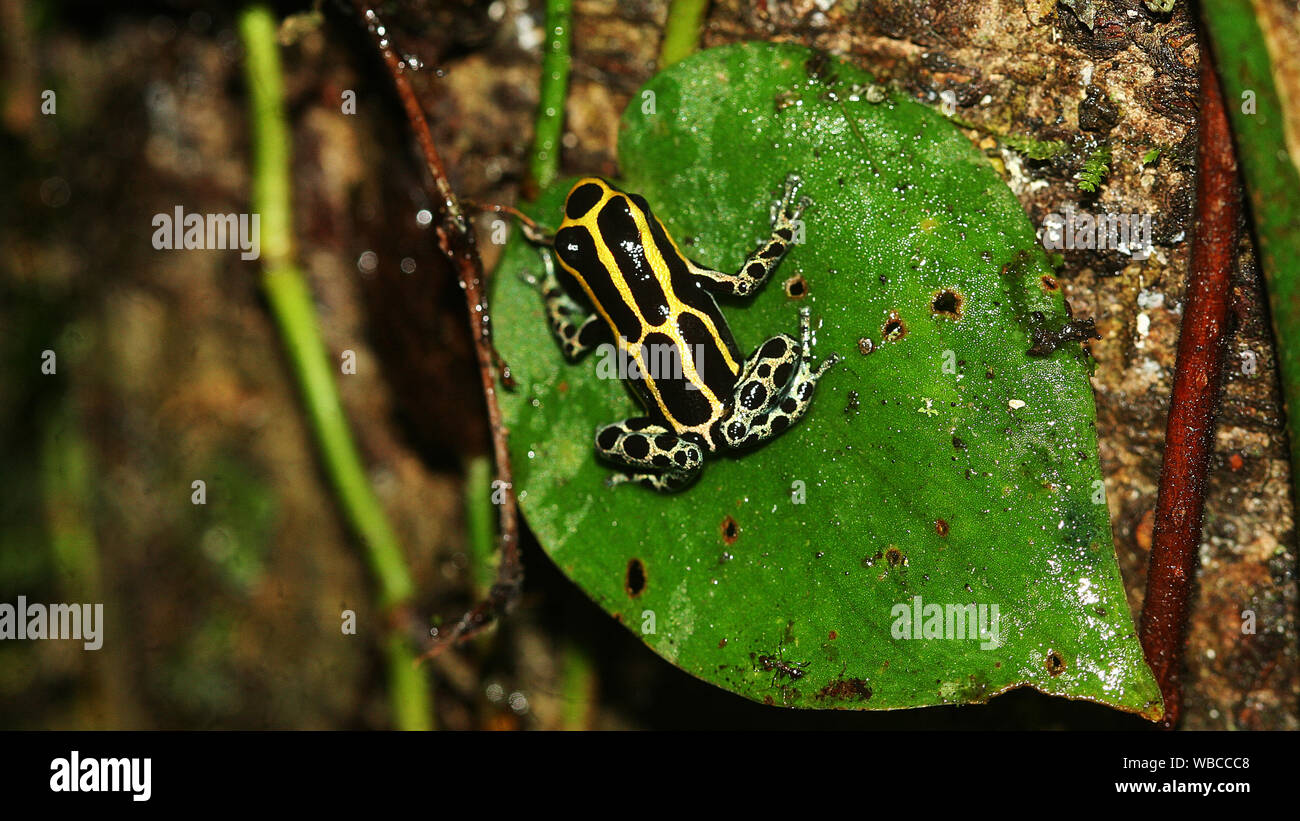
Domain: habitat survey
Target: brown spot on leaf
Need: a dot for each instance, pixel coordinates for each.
(730, 530)
(845, 689)
(941, 527)
(1055, 663)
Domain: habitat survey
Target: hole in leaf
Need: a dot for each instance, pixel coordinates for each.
(1054, 663)
(1049, 283)
(635, 583)
(947, 303)
(894, 328)
(796, 287)
(895, 556)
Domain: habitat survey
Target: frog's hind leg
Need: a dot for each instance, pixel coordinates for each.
(775, 388)
(576, 330)
(760, 264)
(642, 446)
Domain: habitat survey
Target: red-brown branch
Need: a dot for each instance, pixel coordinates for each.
(456, 239)
(1189, 435)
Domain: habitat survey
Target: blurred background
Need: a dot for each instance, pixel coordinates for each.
(169, 368)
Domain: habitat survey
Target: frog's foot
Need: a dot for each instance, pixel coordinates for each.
(643, 446)
(791, 206)
(775, 388)
(786, 229)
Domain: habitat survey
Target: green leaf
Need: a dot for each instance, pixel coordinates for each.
(946, 464)
(1095, 169)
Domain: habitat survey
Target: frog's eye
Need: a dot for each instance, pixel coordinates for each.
(582, 199)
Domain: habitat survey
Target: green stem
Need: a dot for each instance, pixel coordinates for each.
(578, 686)
(480, 520)
(291, 305)
(681, 31)
(555, 88)
(65, 472)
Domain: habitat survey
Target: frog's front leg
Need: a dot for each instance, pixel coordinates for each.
(767, 256)
(642, 445)
(775, 388)
(576, 330)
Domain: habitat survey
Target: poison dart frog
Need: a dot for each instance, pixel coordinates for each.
(700, 397)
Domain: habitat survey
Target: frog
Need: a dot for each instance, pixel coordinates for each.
(700, 396)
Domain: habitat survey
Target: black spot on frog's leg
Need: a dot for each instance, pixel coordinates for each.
(783, 371)
(608, 437)
(658, 457)
(760, 264)
(636, 446)
(787, 391)
(753, 395)
(763, 378)
(776, 347)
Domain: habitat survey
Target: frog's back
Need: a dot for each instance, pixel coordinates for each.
(638, 280)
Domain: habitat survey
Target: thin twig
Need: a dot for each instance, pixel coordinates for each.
(291, 304)
(1189, 436)
(456, 239)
